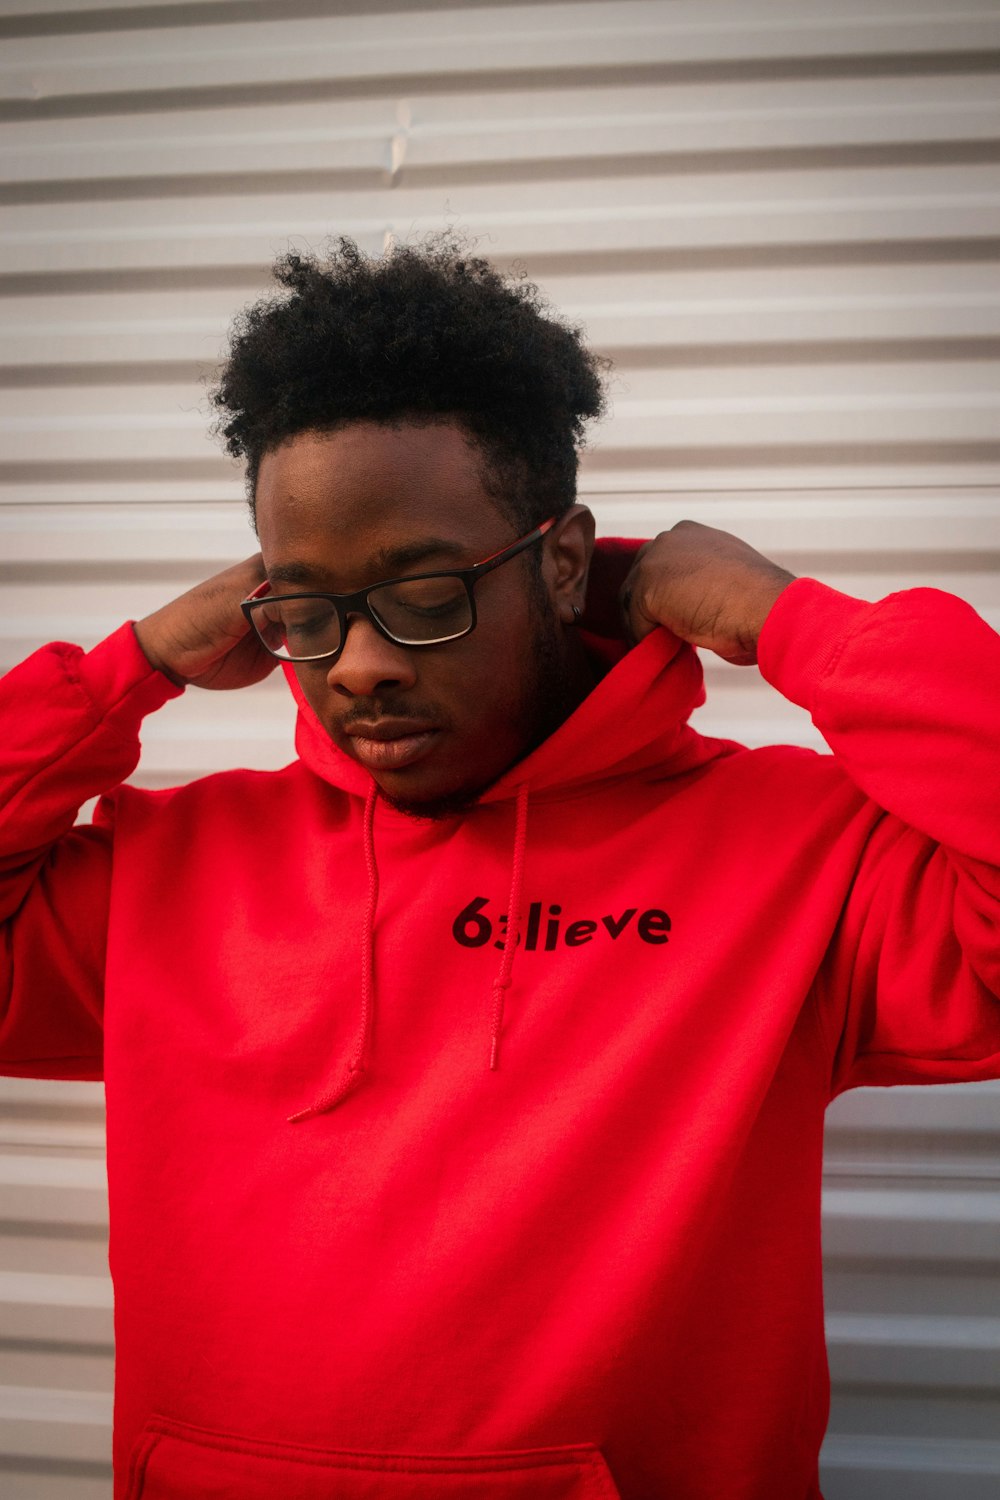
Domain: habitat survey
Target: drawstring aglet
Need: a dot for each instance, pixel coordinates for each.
(498, 988)
(355, 1074)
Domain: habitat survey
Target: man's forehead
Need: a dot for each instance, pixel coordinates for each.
(377, 561)
(382, 501)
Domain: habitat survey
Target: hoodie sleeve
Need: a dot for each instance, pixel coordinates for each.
(70, 723)
(906, 692)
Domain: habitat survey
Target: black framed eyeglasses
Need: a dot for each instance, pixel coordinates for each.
(425, 609)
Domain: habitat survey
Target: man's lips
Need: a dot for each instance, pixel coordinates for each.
(390, 744)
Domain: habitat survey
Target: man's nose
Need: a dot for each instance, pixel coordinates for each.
(369, 662)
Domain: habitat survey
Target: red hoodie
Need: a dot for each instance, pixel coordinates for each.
(594, 1268)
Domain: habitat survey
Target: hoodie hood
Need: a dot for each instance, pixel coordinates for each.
(633, 724)
(634, 721)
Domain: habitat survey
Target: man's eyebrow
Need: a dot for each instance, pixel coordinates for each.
(387, 562)
(391, 560)
(291, 573)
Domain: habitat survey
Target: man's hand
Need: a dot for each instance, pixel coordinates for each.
(706, 586)
(203, 639)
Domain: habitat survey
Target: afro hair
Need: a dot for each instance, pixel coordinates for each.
(424, 333)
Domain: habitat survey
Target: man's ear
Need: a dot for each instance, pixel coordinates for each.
(566, 561)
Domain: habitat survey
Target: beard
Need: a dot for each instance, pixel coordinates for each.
(547, 702)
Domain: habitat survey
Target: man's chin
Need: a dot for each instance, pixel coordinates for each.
(446, 805)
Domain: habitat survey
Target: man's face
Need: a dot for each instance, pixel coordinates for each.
(434, 725)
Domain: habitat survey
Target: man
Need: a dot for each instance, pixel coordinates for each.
(466, 1078)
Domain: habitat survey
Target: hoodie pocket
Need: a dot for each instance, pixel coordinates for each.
(174, 1461)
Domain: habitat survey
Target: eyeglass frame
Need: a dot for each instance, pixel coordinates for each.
(355, 604)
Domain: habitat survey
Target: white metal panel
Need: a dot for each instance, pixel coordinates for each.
(780, 219)
(506, 129)
(56, 1336)
(39, 11)
(682, 316)
(911, 1236)
(647, 211)
(476, 40)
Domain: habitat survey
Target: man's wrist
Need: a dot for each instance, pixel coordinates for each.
(767, 597)
(149, 651)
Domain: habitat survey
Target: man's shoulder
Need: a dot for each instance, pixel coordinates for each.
(245, 796)
(772, 782)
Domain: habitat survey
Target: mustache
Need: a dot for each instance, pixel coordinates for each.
(371, 710)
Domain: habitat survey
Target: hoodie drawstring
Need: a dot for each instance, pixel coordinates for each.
(513, 933)
(358, 1065)
(359, 1059)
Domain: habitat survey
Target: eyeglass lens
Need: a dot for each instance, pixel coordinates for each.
(418, 611)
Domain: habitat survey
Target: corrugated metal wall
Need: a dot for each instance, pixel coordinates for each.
(782, 220)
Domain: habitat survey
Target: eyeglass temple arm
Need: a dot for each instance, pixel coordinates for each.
(258, 593)
(495, 558)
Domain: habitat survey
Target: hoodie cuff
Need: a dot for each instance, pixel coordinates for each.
(806, 630)
(121, 682)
